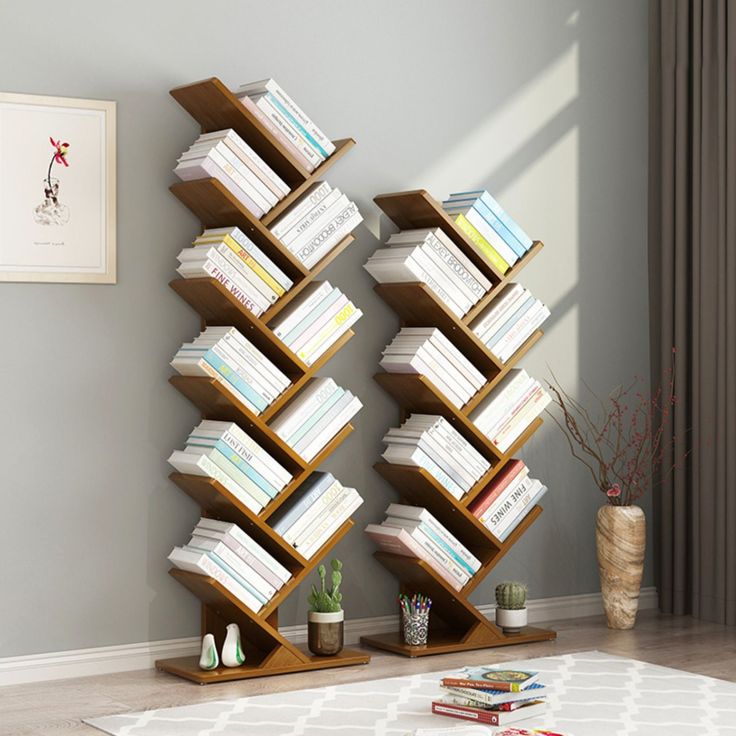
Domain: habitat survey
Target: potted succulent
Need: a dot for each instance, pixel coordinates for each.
(511, 613)
(326, 618)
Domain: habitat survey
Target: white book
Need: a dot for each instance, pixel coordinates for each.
(300, 307)
(260, 584)
(319, 320)
(338, 518)
(338, 422)
(314, 512)
(302, 230)
(329, 235)
(501, 399)
(493, 316)
(516, 487)
(308, 201)
(416, 364)
(338, 326)
(398, 455)
(190, 464)
(250, 445)
(253, 547)
(531, 410)
(520, 511)
(501, 512)
(306, 402)
(270, 85)
(481, 225)
(312, 531)
(202, 564)
(523, 330)
(314, 432)
(263, 167)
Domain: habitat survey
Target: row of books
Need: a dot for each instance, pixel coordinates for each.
(223, 551)
(315, 416)
(427, 351)
(489, 227)
(509, 320)
(510, 408)
(430, 442)
(317, 510)
(315, 320)
(224, 452)
(412, 531)
(288, 122)
(317, 223)
(430, 256)
(510, 496)
(225, 156)
(231, 257)
(492, 696)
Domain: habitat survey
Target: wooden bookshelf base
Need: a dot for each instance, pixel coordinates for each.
(445, 642)
(188, 667)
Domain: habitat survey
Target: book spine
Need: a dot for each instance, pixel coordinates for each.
(518, 423)
(445, 239)
(466, 714)
(496, 311)
(492, 236)
(522, 505)
(256, 267)
(511, 342)
(212, 270)
(455, 442)
(261, 205)
(293, 137)
(472, 685)
(354, 502)
(519, 310)
(447, 548)
(327, 412)
(504, 534)
(258, 286)
(230, 469)
(297, 124)
(471, 373)
(333, 337)
(424, 259)
(508, 221)
(303, 232)
(250, 578)
(327, 236)
(422, 460)
(268, 561)
(256, 359)
(250, 247)
(332, 429)
(460, 475)
(469, 560)
(255, 601)
(289, 518)
(310, 421)
(301, 209)
(251, 560)
(505, 503)
(257, 165)
(312, 513)
(502, 402)
(251, 181)
(440, 556)
(291, 338)
(307, 402)
(333, 324)
(232, 377)
(258, 461)
(285, 325)
(337, 302)
(331, 518)
(498, 225)
(456, 266)
(309, 220)
(245, 468)
(489, 496)
(244, 378)
(484, 247)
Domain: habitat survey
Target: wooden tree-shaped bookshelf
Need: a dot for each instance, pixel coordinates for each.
(267, 651)
(455, 623)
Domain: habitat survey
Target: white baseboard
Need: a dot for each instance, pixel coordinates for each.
(127, 657)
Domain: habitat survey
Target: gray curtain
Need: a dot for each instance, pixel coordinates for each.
(692, 253)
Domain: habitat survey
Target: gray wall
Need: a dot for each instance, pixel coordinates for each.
(542, 102)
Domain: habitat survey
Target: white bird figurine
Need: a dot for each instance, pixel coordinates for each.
(208, 659)
(232, 651)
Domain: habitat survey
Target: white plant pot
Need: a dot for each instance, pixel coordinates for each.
(511, 621)
(325, 618)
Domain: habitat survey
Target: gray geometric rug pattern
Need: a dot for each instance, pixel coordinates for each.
(593, 694)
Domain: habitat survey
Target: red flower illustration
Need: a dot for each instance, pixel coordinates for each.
(61, 149)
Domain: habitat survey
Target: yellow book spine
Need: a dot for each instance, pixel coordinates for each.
(345, 313)
(254, 265)
(485, 247)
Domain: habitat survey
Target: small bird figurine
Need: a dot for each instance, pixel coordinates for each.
(208, 659)
(232, 650)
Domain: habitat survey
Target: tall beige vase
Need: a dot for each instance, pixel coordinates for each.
(620, 535)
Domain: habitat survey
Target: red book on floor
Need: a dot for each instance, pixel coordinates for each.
(485, 715)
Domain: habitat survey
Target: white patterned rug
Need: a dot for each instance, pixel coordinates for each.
(594, 694)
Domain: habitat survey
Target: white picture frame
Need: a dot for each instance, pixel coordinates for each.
(57, 189)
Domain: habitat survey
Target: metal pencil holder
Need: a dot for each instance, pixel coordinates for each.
(415, 626)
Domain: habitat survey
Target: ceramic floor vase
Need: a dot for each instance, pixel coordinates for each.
(620, 533)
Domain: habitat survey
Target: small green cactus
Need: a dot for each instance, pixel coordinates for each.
(324, 600)
(511, 595)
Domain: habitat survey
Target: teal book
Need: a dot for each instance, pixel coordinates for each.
(312, 317)
(229, 570)
(296, 124)
(324, 407)
(437, 539)
(232, 377)
(453, 206)
(308, 493)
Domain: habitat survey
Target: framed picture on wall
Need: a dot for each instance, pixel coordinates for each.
(57, 189)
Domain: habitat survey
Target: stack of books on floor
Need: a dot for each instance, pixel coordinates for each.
(317, 223)
(430, 442)
(315, 320)
(228, 255)
(510, 408)
(278, 112)
(223, 452)
(492, 696)
(223, 551)
(427, 352)
(225, 156)
(315, 416)
(315, 512)
(494, 233)
(244, 371)
(411, 531)
(510, 496)
(509, 320)
(431, 257)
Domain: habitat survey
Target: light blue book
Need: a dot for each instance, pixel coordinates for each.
(437, 473)
(298, 434)
(232, 377)
(518, 518)
(312, 317)
(437, 539)
(497, 210)
(511, 321)
(325, 419)
(239, 463)
(296, 124)
(229, 570)
(310, 491)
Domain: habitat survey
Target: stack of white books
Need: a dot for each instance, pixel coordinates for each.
(287, 121)
(224, 354)
(315, 320)
(510, 496)
(315, 416)
(431, 257)
(222, 451)
(510, 408)
(509, 320)
(319, 508)
(317, 223)
(427, 352)
(225, 156)
(412, 531)
(431, 442)
(228, 255)
(223, 551)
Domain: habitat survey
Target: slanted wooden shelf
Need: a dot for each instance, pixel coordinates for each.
(267, 651)
(455, 623)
